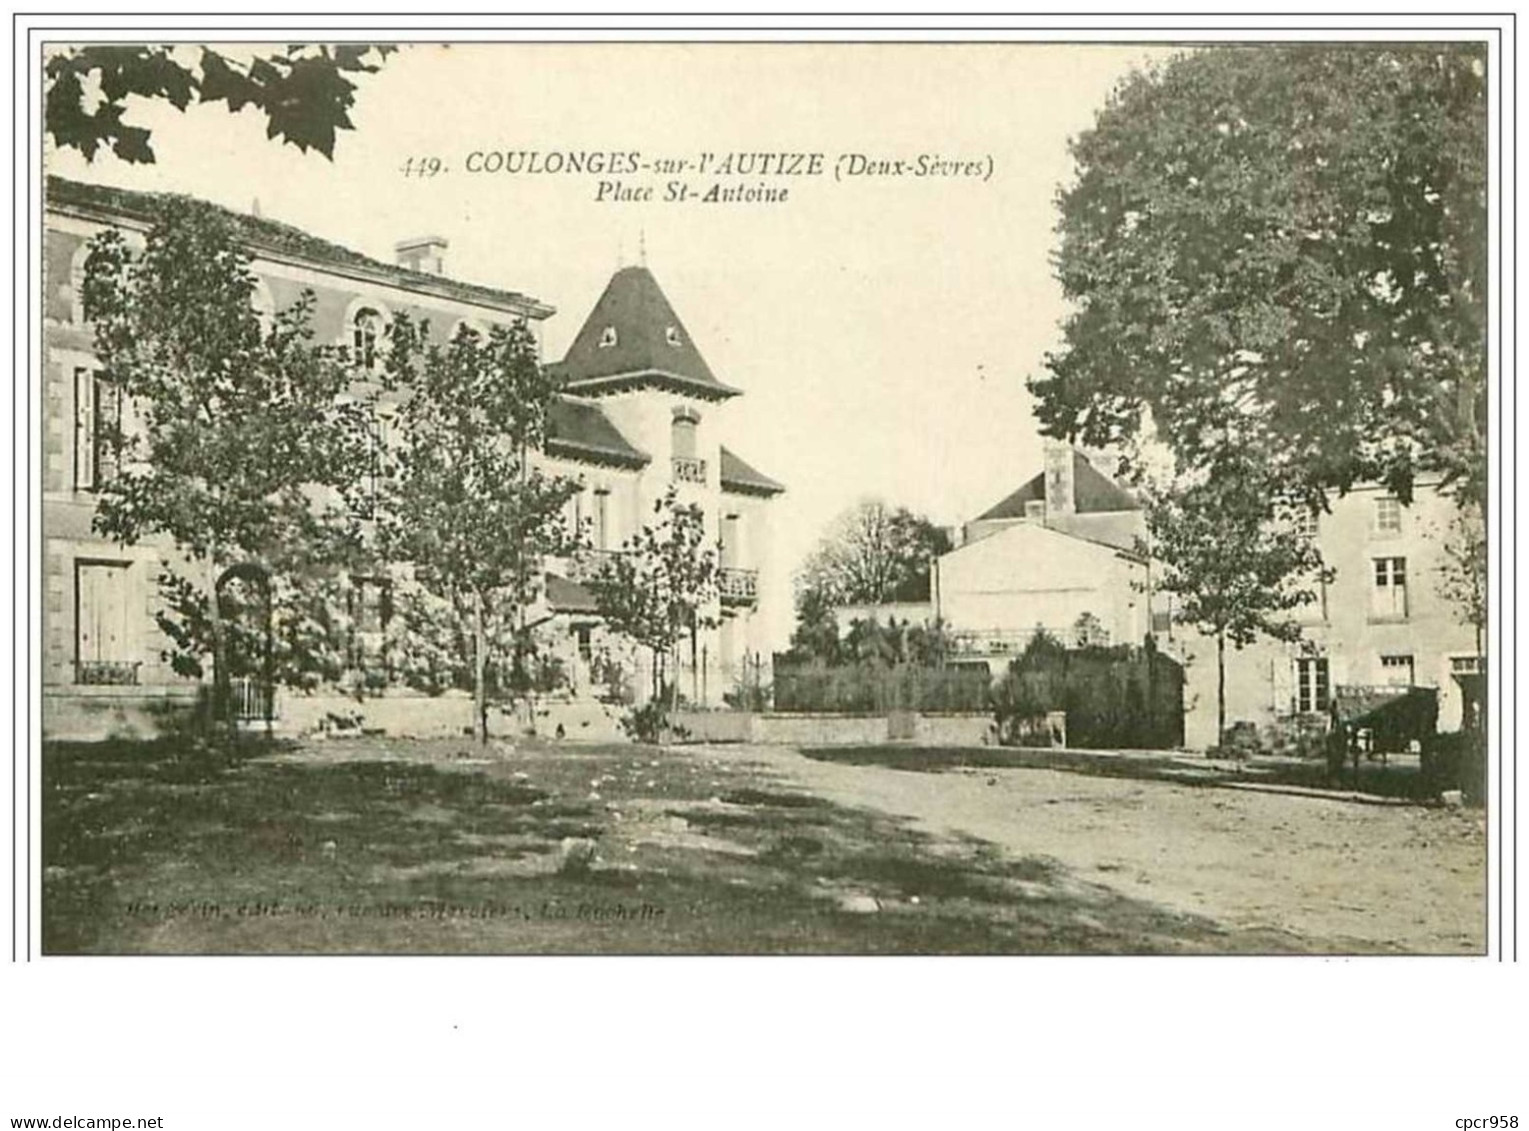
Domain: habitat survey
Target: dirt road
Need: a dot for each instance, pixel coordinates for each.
(1365, 877)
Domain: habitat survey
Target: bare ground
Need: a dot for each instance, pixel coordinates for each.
(1342, 875)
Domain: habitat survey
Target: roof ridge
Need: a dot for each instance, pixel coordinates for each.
(281, 238)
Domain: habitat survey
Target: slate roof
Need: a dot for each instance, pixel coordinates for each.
(650, 346)
(739, 476)
(1093, 493)
(273, 237)
(580, 430)
(564, 596)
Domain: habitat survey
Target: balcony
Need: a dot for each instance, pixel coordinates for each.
(688, 469)
(107, 673)
(738, 586)
(992, 642)
(586, 564)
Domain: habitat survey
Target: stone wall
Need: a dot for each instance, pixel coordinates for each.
(780, 729)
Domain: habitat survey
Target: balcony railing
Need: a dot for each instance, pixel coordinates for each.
(117, 673)
(992, 642)
(586, 564)
(738, 586)
(688, 469)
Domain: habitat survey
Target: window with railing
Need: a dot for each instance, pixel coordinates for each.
(688, 467)
(102, 628)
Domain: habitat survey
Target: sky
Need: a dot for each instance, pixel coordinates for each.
(881, 327)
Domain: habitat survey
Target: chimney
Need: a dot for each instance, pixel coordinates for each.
(1060, 497)
(425, 254)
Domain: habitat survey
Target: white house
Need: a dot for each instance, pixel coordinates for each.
(1059, 554)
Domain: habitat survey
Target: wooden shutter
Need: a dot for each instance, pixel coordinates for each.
(84, 429)
(102, 628)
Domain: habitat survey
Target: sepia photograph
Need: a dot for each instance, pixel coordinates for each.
(765, 498)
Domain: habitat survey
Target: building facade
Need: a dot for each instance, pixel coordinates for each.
(1381, 622)
(1059, 555)
(1062, 554)
(104, 669)
(643, 414)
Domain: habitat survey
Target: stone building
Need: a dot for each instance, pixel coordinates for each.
(640, 411)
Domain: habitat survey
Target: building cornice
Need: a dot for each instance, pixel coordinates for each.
(650, 379)
(395, 278)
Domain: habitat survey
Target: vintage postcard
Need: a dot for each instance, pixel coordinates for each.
(763, 486)
(789, 498)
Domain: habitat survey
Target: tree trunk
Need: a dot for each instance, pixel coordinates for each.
(1220, 688)
(480, 689)
(223, 722)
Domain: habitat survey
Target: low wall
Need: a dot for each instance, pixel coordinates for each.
(955, 730)
(399, 714)
(94, 714)
(791, 729)
(715, 726)
(820, 730)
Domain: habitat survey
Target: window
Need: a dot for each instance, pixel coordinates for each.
(1464, 665)
(1389, 597)
(365, 338)
(1396, 671)
(730, 547)
(684, 434)
(1311, 685)
(672, 336)
(602, 519)
(1306, 524)
(101, 645)
(608, 338)
(1388, 516)
(265, 308)
(97, 429)
(371, 608)
(586, 644)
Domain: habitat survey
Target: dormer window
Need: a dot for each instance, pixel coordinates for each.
(608, 338)
(672, 336)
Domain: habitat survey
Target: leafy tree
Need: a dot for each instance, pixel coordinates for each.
(1234, 564)
(1281, 251)
(1463, 576)
(239, 449)
(873, 554)
(660, 588)
(303, 91)
(816, 636)
(463, 504)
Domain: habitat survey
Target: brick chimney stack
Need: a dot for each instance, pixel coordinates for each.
(1060, 488)
(426, 254)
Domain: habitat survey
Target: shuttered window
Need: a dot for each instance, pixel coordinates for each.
(97, 423)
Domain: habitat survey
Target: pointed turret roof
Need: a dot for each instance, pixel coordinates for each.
(632, 338)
